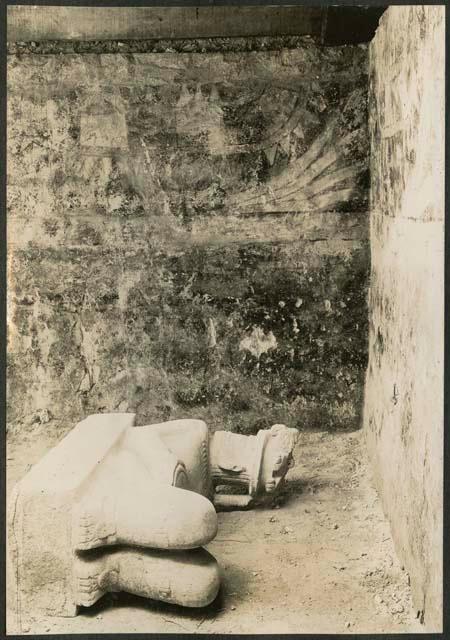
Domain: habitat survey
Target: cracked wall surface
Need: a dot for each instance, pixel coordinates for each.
(188, 234)
(404, 392)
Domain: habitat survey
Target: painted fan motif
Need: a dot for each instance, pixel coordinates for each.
(322, 178)
(198, 112)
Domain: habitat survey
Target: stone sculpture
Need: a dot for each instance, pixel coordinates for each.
(114, 507)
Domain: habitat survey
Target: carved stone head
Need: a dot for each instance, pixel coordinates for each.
(277, 456)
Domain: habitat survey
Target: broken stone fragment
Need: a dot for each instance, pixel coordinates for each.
(114, 507)
(256, 463)
(106, 484)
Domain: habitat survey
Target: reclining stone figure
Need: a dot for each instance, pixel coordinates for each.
(115, 507)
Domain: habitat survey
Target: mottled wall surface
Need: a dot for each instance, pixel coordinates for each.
(188, 236)
(404, 394)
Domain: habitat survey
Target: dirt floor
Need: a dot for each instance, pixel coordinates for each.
(317, 559)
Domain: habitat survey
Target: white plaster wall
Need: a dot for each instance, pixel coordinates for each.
(403, 413)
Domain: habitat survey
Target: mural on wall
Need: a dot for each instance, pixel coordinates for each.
(188, 236)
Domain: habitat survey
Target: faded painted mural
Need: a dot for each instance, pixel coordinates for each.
(188, 236)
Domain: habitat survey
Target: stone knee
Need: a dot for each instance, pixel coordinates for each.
(162, 464)
(189, 441)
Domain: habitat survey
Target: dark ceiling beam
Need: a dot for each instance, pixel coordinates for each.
(28, 23)
(331, 25)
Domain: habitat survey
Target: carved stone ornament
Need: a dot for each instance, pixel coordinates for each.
(114, 507)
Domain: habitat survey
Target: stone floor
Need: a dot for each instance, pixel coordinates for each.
(318, 559)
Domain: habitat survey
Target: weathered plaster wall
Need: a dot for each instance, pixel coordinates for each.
(188, 235)
(404, 393)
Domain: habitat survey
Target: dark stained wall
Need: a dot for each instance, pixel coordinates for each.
(188, 236)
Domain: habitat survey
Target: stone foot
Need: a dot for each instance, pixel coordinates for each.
(90, 579)
(93, 524)
(187, 578)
